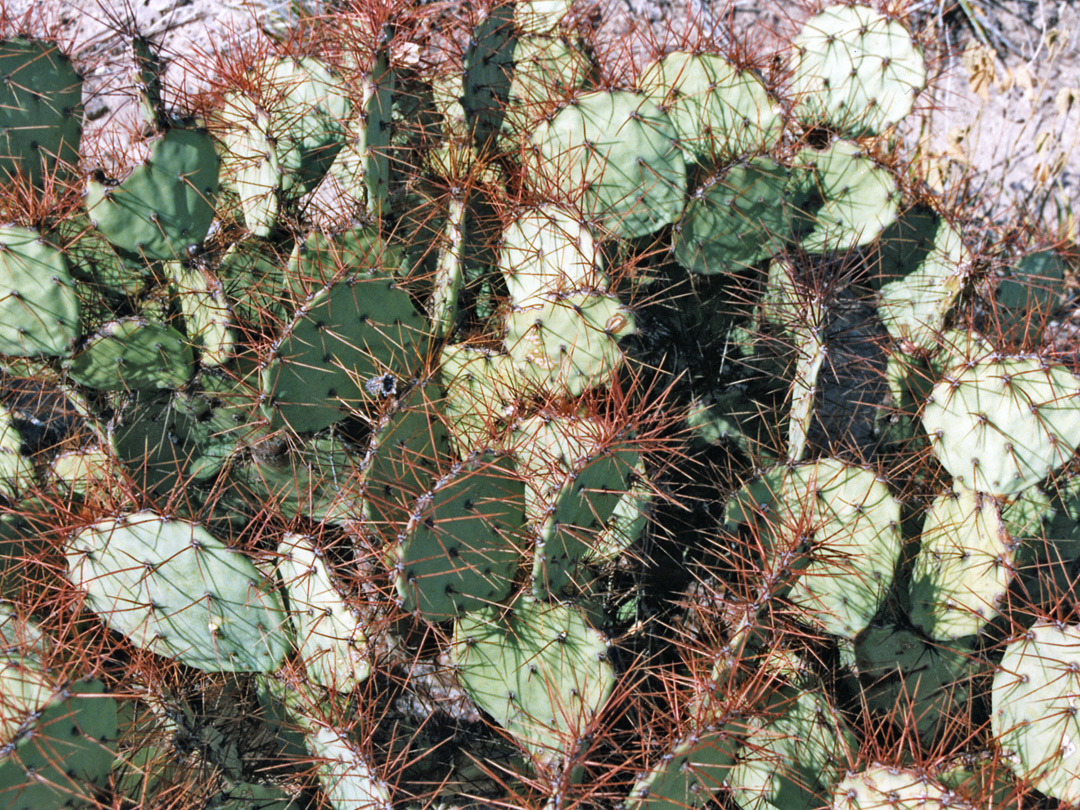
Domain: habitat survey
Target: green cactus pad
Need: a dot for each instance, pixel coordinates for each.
(481, 387)
(249, 162)
(923, 263)
(64, 743)
(207, 319)
(331, 640)
(546, 69)
(539, 670)
(881, 787)
(919, 684)
(307, 114)
(790, 760)
(853, 199)
(164, 206)
(1033, 699)
(837, 526)
(690, 776)
(175, 589)
(1002, 424)
(252, 273)
(349, 333)
(318, 480)
(855, 70)
(964, 566)
(570, 344)
(719, 113)
(616, 156)
(736, 219)
(358, 181)
(548, 251)
(488, 72)
(1028, 295)
(41, 111)
(409, 451)
(463, 542)
(39, 309)
(131, 355)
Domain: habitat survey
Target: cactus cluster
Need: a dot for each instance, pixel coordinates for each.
(435, 420)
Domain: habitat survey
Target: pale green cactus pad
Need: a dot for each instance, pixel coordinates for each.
(616, 156)
(855, 70)
(719, 112)
(172, 587)
(1034, 702)
(964, 565)
(1001, 424)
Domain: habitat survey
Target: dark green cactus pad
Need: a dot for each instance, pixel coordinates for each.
(878, 787)
(59, 751)
(153, 438)
(615, 155)
(409, 451)
(736, 219)
(252, 273)
(852, 200)
(173, 588)
(911, 681)
(836, 526)
(341, 347)
(690, 776)
(539, 670)
(855, 70)
(1034, 718)
(548, 251)
(41, 112)
(463, 542)
(922, 266)
(489, 68)
(719, 112)
(569, 344)
(964, 566)
(319, 480)
(330, 639)
(1001, 424)
(39, 310)
(95, 264)
(132, 355)
(319, 260)
(165, 205)
(1028, 295)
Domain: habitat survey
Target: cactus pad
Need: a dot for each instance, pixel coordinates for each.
(173, 588)
(1002, 424)
(855, 70)
(719, 113)
(616, 156)
(131, 355)
(539, 670)
(41, 110)
(462, 545)
(163, 206)
(735, 219)
(39, 310)
(1034, 718)
(569, 344)
(964, 565)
